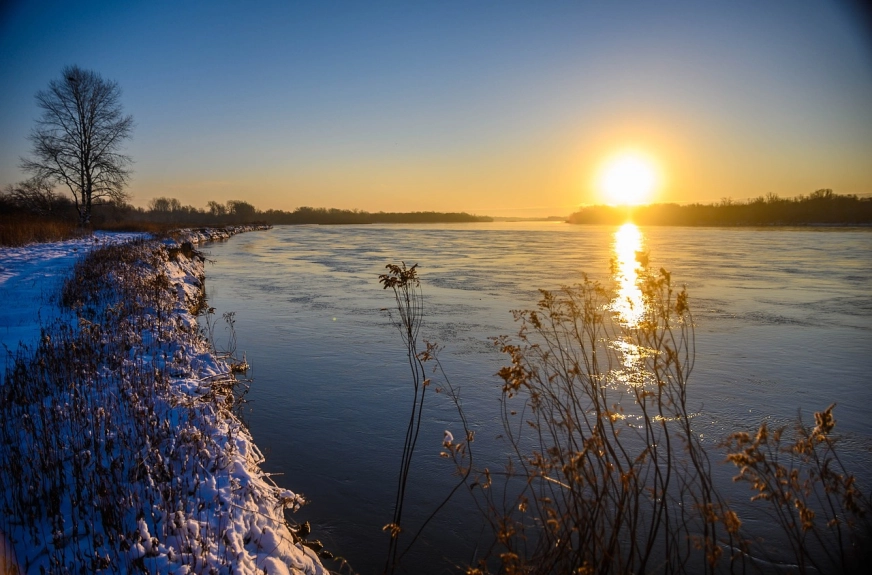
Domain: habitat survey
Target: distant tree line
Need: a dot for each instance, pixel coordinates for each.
(307, 215)
(77, 146)
(36, 198)
(819, 207)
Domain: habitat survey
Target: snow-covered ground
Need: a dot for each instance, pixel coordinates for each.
(30, 277)
(127, 455)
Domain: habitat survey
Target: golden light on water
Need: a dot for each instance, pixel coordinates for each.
(628, 179)
(628, 303)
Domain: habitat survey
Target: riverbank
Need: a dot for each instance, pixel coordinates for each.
(207, 234)
(119, 446)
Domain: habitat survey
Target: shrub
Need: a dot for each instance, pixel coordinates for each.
(606, 473)
(597, 483)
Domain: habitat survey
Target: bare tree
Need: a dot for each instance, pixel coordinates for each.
(215, 209)
(165, 205)
(78, 139)
(241, 210)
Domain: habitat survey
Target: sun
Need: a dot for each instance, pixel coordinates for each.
(628, 179)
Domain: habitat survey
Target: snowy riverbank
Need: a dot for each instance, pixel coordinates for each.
(119, 448)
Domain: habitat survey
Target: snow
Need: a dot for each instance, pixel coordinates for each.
(29, 279)
(223, 513)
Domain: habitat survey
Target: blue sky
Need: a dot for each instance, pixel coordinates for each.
(504, 108)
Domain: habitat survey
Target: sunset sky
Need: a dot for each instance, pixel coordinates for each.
(496, 108)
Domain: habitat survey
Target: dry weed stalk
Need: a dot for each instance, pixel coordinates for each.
(409, 305)
(406, 287)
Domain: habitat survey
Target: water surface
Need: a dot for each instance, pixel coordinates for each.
(783, 323)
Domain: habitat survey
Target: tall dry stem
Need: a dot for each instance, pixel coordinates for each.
(406, 287)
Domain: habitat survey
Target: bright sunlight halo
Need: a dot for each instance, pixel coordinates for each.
(628, 179)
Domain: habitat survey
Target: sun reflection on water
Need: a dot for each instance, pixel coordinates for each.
(628, 304)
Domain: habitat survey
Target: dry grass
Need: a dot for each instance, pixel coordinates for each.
(20, 230)
(155, 228)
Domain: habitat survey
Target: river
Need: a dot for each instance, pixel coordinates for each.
(783, 320)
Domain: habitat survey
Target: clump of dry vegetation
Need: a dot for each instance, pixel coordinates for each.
(606, 472)
(822, 512)
(19, 231)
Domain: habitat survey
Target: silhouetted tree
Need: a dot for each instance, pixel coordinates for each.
(164, 205)
(36, 195)
(78, 139)
(241, 210)
(822, 194)
(215, 209)
(820, 207)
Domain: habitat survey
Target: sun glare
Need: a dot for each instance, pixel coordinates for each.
(629, 302)
(628, 179)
